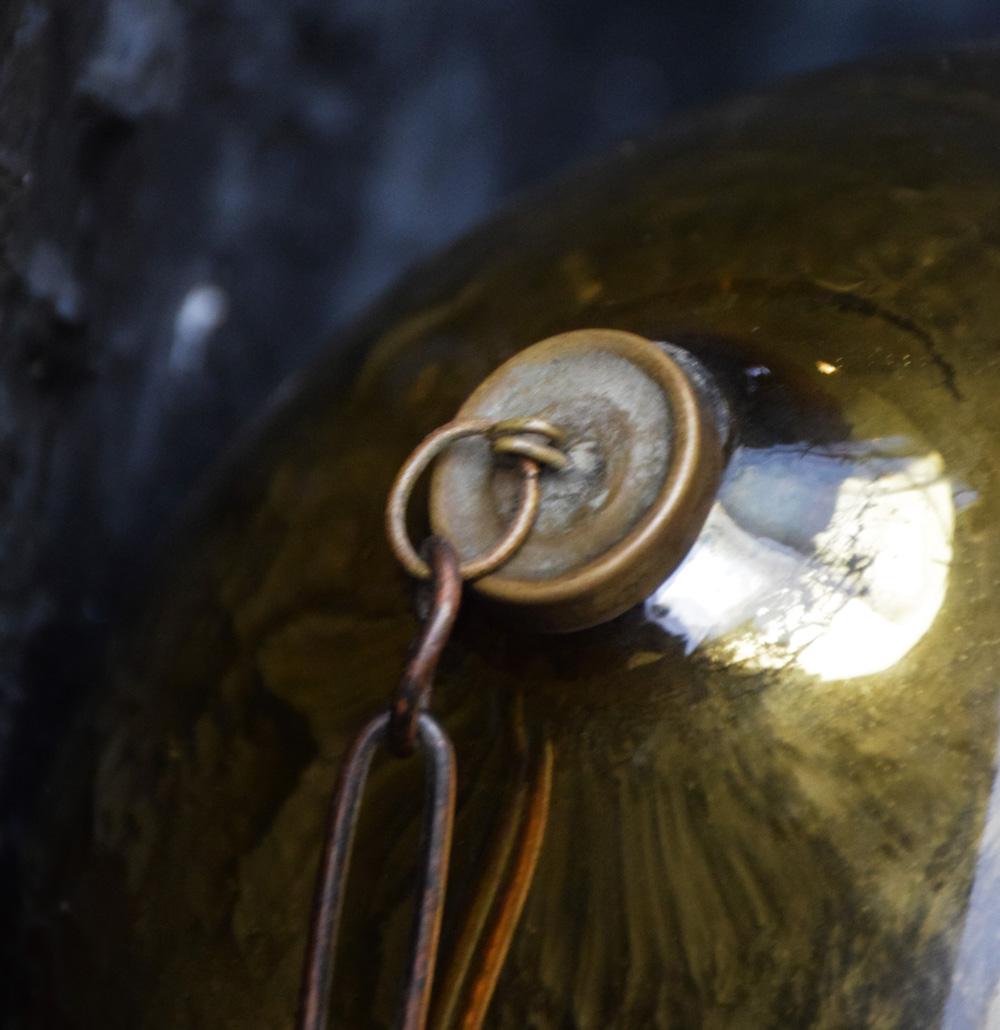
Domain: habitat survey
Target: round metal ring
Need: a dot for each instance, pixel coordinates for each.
(414, 467)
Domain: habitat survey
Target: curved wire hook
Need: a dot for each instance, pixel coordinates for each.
(414, 688)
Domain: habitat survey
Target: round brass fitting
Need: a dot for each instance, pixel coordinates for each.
(644, 466)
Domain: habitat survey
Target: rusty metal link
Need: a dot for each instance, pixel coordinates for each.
(402, 728)
(512, 436)
(415, 687)
(439, 814)
(408, 725)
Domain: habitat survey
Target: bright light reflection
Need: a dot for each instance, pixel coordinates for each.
(834, 559)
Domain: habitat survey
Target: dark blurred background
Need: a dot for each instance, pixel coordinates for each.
(195, 195)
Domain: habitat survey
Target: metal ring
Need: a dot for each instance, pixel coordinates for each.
(414, 467)
(523, 447)
(534, 425)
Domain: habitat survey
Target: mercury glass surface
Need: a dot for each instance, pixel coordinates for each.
(773, 798)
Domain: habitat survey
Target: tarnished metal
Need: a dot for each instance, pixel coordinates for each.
(401, 728)
(415, 687)
(439, 817)
(519, 437)
(540, 453)
(535, 426)
(497, 554)
(644, 465)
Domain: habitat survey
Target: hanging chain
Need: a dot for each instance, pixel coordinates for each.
(408, 725)
(413, 694)
(400, 727)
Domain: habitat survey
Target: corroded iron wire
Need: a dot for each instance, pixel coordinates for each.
(406, 724)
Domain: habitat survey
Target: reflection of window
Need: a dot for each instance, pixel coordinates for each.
(833, 558)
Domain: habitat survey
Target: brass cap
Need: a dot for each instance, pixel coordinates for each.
(645, 466)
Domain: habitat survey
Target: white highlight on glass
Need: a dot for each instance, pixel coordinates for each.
(833, 558)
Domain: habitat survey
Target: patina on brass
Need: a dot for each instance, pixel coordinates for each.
(621, 518)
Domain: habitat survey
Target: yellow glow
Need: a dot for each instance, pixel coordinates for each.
(826, 368)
